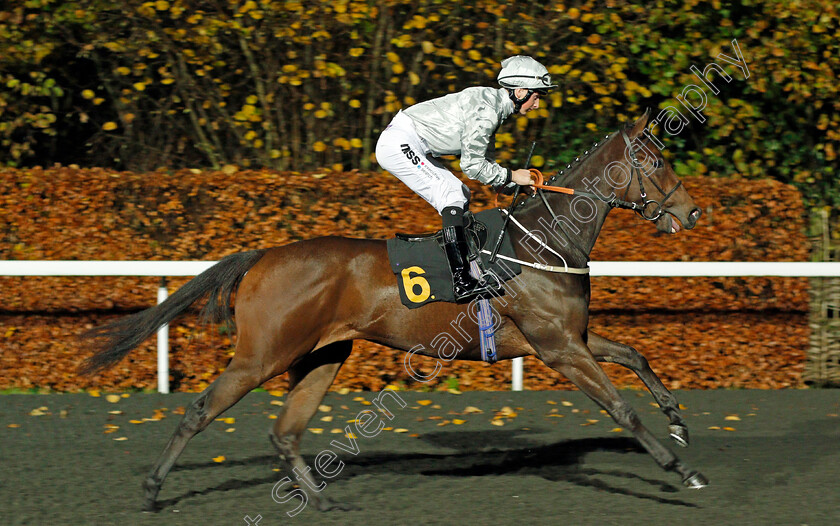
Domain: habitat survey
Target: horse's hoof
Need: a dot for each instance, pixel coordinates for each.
(679, 434)
(695, 480)
(150, 489)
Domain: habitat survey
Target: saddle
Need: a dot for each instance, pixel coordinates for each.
(422, 270)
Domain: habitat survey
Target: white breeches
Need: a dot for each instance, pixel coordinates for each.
(403, 153)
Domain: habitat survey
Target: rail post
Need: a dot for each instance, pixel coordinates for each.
(163, 344)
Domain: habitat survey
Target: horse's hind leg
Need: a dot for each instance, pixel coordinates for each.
(577, 363)
(309, 380)
(234, 383)
(610, 351)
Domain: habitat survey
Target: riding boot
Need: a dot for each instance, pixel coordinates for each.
(464, 286)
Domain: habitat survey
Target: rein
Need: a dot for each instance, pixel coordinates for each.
(614, 202)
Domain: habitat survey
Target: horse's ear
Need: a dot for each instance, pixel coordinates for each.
(638, 127)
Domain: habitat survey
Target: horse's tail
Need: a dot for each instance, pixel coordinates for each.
(116, 339)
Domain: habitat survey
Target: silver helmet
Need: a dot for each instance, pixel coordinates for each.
(524, 72)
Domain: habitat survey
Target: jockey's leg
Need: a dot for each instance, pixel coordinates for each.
(464, 286)
(401, 151)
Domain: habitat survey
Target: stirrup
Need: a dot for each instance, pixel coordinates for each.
(484, 289)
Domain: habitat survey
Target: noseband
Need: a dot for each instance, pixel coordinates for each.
(650, 209)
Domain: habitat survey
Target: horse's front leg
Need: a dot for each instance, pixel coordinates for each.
(577, 363)
(605, 350)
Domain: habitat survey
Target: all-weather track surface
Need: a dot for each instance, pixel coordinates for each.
(773, 457)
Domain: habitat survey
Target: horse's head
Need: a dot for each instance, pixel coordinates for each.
(653, 185)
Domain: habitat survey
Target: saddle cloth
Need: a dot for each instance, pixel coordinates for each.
(422, 270)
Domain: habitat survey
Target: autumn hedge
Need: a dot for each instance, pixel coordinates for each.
(697, 332)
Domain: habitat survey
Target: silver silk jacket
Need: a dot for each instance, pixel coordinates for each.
(465, 124)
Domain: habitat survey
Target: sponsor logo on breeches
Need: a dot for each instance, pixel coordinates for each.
(412, 157)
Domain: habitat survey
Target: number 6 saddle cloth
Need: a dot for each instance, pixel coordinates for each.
(422, 270)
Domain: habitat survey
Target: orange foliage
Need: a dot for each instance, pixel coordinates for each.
(697, 332)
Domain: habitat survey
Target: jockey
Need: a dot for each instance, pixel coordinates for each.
(462, 124)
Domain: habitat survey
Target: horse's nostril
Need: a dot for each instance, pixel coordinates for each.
(695, 215)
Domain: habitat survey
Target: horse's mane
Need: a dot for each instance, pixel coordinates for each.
(564, 174)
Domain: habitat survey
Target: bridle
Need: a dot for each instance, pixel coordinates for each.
(648, 209)
(657, 205)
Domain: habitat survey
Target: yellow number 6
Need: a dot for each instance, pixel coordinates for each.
(410, 282)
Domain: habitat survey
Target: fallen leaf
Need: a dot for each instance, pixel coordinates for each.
(326, 419)
(458, 421)
(472, 409)
(424, 402)
(316, 430)
(506, 412)
(220, 458)
(324, 408)
(230, 430)
(497, 423)
(732, 417)
(113, 398)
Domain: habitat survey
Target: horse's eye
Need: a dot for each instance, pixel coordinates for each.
(658, 163)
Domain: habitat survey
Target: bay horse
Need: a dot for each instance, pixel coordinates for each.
(300, 306)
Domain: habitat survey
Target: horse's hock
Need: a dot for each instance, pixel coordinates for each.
(823, 365)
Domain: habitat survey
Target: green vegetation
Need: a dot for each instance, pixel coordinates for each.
(300, 85)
